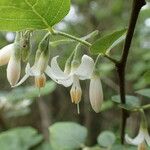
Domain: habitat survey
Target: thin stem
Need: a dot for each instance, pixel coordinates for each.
(121, 66)
(72, 37)
(111, 59)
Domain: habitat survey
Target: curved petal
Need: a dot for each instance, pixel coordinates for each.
(56, 71)
(22, 80)
(34, 71)
(27, 68)
(147, 138)
(85, 69)
(137, 140)
(66, 82)
(63, 81)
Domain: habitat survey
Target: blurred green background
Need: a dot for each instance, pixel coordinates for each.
(22, 107)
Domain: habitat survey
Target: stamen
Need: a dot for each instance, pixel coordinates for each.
(39, 92)
(78, 108)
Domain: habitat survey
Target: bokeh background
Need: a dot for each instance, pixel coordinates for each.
(22, 107)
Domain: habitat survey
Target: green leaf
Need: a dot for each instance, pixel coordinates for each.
(28, 92)
(67, 136)
(147, 77)
(19, 139)
(32, 14)
(131, 101)
(106, 139)
(144, 92)
(43, 146)
(106, 43)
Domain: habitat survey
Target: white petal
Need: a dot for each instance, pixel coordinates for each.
(96, 94)
(34, 71)
(137, 140)
(42, 63)
(22, 80)
(56, 71)
(147, 138)
(5, 54)
(66, 82)
(27, 68)
(85, 69)
(63, 81)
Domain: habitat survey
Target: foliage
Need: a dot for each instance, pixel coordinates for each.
(33, 14)
(39, 107)
(108, 42)
(19, 139)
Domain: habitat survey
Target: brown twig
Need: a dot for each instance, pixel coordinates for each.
(121, 66)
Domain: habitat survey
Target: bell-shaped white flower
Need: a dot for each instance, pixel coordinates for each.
(14, 66)
(5, 54)
(81, 72)
(96, 93)
(37, 71)
(143, 136)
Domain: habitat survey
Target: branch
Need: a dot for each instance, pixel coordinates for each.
(72, 37)
(121, 66)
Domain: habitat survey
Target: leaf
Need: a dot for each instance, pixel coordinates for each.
(131, 101)
(67, 136)
(144, 92)
(106, 139)
(108, 42)
(31, 14)
(28, 92)
(43, 146)
(147, 77)
(19, 139)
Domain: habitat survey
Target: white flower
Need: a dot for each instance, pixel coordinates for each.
(14, 65)
(96, 93)
(37, 71)
(141, 138)
(81, 72)
(5, 54)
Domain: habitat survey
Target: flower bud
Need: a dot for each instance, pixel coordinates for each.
(42, 63)
(96, 93)
(42, 55)
(76, 91)
(5, 54)
(14, 66)
(40, 81)
(13, 70)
